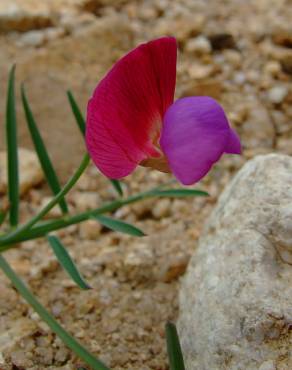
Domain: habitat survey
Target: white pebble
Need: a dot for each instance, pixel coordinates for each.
(277, 94)
(200, 45)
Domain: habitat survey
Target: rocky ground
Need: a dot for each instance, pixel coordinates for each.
(236, 51)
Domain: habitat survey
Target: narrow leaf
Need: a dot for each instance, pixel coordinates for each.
(3, 215)
(117, 186)
(179, 193)
(82, 127)
(175, 356)
(77, 113)
(41, 151)
(12, 155)
(66, 261)
(120, 226)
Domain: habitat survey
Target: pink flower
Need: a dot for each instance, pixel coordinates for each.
(132, 120)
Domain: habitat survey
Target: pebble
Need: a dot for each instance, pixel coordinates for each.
(239, 78)
(90, 230)
(222, 41)
(173, 268)
(286, 64)
(54, 33)
(30, 171)
(199, 71)
(273, 68)
(85, 200)
(162, 208)
(277, 94)
(233, 57)
(14, 18)
(199, 45)
(33, 38)
(210, 87)
(19, 359)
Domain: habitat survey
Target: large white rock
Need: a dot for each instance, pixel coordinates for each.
(236, 298)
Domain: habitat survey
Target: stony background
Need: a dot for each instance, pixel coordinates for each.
(236, 51)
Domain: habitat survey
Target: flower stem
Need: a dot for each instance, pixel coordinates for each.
(75, 346)
(18, 231)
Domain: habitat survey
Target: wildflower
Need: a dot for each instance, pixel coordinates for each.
(132, 120)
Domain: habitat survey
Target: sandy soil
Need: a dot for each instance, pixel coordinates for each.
(71, 44)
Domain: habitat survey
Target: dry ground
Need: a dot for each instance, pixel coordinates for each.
(236, 51)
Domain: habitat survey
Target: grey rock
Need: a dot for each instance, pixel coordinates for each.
(236, 298)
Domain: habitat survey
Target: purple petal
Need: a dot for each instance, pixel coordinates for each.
(195, 133)
(233, 144)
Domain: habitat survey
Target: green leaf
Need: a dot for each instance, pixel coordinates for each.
(42, 153)
(77, 113)
(175, 356)
(117, 186)
(12, 155)
(3, 215)
(66, 261)
(120, 226)
(179, 193)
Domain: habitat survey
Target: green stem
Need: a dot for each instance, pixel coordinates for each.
(20, 230)
(48, 226)
(76, 347)
(43, 228)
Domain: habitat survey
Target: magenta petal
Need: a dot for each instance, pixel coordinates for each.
(233, 145)
(124, 116)
(195, 134)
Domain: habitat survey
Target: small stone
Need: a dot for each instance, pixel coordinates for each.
(45, 355)
(20, 359)
(257, 130)
(199, 71)
(138, 264)
(30, 171)
(14, 18)
(273, 68)
(62, 355)
(162, 208)
(72, 22)
(181, 26)
(199, 45)
(286, 63)
(233, 57)
(239, 78)
(222, 41)
(208, 87)
(282, 37)
(32, 38)
(54, 33)
(85, 200)
(173, 268)
(277, 94)
(90, 230)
